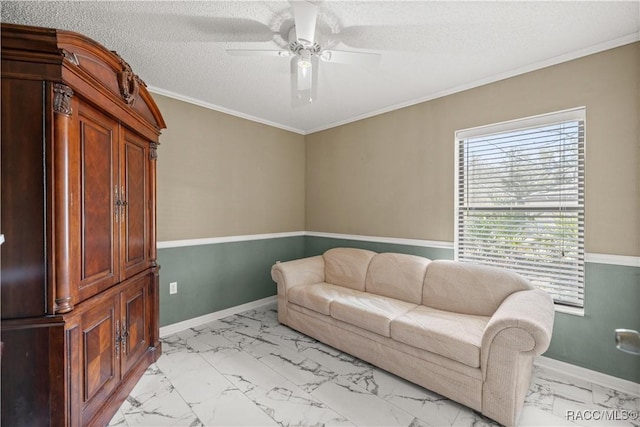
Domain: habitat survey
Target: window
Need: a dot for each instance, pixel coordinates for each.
(520, 200)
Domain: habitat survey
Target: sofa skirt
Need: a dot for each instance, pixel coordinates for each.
(449, 378)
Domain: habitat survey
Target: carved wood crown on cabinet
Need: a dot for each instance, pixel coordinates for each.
(79, 283)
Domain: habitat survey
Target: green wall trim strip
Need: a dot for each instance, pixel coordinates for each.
(630, 261)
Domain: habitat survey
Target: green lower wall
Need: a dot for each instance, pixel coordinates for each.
(219, 276)
(612, 298)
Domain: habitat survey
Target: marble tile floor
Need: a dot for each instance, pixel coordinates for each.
(248, 370)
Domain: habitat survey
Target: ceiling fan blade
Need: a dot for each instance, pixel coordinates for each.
(257, 52)
(174, 28)
(304, 80)
(345, 57)
(305, 15)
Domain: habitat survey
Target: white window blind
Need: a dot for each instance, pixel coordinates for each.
(520, 200)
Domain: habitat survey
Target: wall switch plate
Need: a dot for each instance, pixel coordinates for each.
(173, 288)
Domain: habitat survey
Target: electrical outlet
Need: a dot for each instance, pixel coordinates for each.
(173, 288)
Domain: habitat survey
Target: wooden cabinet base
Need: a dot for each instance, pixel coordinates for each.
(75, 369)
(118, 396)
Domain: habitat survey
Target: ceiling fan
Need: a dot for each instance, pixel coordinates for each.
(305, 53)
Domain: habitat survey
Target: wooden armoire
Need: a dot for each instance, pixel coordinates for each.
(79, 278)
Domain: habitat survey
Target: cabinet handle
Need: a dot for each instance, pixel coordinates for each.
(123, 202)
(125, 334)
(118, 202)
(118, 339)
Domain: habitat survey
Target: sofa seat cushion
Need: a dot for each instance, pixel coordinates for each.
(453, 335)
(318, 297)
(371, 312)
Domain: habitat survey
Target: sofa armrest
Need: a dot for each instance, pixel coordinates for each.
(305, 271)
(518, 330)
(522, 323)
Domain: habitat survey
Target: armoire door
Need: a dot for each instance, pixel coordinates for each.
(99, 354)
(135, 315)
(98, 202)
(135, 209)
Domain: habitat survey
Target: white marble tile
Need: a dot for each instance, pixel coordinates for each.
(246, 372)
(609, 398)
(418, 423)
(247, 369)
(289, 405)
(540, 395)
(231, 408)
(470, 418)
(536, 417)
(213, 343)
(118, 420)
(564, 386)
(293, 366)
(194, 378)
(155, 402)
(359, 406)
(335, 360)
(245, 338)
(424, 404)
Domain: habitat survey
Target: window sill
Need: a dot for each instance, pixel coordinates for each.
(574, 311)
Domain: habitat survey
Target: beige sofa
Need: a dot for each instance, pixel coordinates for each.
(465, 331)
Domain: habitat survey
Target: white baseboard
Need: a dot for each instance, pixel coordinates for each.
(201, 320)
(595, 377)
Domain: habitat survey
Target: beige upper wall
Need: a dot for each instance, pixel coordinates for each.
(220, 175)
(393, 175)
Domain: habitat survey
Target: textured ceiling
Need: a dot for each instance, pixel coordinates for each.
(429, 48)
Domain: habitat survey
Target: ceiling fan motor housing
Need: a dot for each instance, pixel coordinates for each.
(297, 47)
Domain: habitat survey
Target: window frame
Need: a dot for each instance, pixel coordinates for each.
(538, 121)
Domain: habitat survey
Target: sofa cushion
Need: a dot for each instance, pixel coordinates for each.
(371, 312)
(452, 335)
(347, 267)
(318, 297)
(469, 288)
(398, 276)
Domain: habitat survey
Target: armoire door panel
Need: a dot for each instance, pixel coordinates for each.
(100, 364)
(98, 216)
(135, 314)
(135, 188)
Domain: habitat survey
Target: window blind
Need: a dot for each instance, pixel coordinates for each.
(520, 203)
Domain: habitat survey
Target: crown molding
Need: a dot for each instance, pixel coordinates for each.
(611, 44)
(214, 107)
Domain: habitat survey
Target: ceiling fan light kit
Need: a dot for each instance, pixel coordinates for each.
(304, 80)
(305, 52)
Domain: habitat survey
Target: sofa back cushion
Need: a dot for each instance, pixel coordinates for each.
(347, 267)
(469, 288)
(398, 276)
